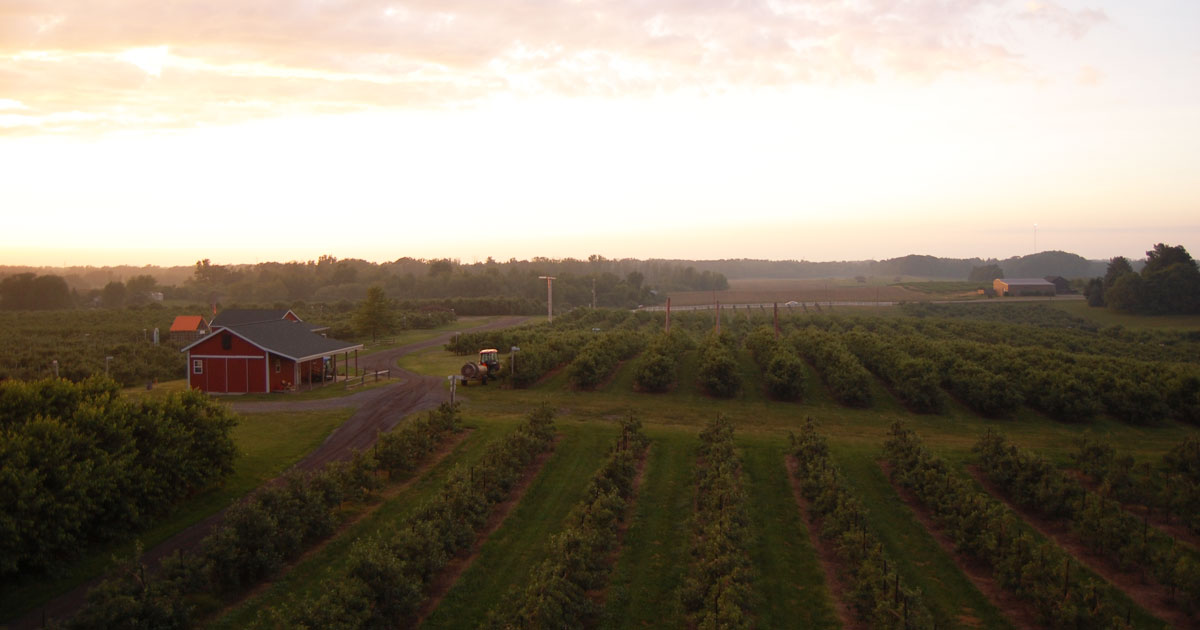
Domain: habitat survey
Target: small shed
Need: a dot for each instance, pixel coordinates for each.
(188, 328)
(1013, 287)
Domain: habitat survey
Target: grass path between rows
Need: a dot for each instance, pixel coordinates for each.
(790, 588)
(520, 543)
(651, 567)
(307, 578)
(950, 595)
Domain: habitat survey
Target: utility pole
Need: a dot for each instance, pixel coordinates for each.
(549, 296)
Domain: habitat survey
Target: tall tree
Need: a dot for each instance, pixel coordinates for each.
(1163, 256)
(374, 315)
(1117, 267)
(113, 295)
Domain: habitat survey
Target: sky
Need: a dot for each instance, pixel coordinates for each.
(150, 132)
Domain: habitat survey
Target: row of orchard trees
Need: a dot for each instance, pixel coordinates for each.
(83, 463)
(1170, 487)
(277, 523)
(1036, 571)
(555, 595)
(1098, 521)
(716, 593)
(389, 575)
(919, 360)
(876, 593)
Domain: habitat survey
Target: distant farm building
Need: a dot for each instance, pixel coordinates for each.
(1013, 287)
(260, 351)
(1062, 286)
(188, 328)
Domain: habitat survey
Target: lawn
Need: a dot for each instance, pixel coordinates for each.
(1109, 317)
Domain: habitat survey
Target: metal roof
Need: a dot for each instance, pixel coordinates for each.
(240, 316)
(286, 338)
(1041, 282)
(187, 323)
(293, 340)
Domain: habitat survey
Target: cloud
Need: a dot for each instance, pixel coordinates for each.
(1089, 75)
(1075, 24)
(131, 62)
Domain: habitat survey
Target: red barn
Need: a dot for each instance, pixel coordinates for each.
(262, 351)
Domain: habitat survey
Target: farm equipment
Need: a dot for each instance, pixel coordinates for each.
(487, 367)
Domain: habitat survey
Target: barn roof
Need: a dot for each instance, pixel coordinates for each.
(288, 339)
(294, 340)
(187, 323)
(1037, 282)
(239, 316)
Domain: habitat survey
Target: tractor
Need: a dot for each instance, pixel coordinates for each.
(487, 367)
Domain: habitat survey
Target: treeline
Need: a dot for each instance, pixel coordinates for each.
(1047, 263)
(623, 283)
(258, 535)
(1036, 571)
(1168, 284)
(1098, 522)
(873, 584)
(556, 593)
(716, 592)
(83, 464)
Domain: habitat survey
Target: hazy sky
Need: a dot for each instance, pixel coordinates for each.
(143, 131)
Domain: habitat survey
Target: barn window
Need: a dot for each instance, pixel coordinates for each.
(197, 366)
(276, 366)
(227, 341)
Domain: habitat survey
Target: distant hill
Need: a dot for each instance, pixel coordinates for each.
(1049, 263)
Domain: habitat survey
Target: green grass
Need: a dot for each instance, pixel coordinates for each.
(521, 542)
(307, 578)
(651, 567)
(267, 444)
(790, 589)
(921, 562)
(1108, 317)
(406, 337)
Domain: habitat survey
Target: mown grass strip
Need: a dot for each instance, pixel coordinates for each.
(305, 579)
(519, 544)
(643, 592)
(789, 590)
(950, 596)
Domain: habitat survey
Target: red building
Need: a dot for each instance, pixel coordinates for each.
(188, 328)
(259, 351)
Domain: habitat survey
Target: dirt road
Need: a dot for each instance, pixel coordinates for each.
(378, 410)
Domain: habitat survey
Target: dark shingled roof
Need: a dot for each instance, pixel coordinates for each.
(293, 340)
(240, 316)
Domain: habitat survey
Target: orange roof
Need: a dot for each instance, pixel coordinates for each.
(187, 323)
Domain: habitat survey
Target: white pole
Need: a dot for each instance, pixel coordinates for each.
(549, 296)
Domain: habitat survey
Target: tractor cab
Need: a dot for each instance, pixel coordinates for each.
(491, 358)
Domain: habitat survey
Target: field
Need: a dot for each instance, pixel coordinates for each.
(769, 290)
(798, 577)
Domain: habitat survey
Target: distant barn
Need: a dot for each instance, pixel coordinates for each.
(1023, 286)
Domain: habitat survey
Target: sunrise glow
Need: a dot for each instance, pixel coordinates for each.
(139, 133)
